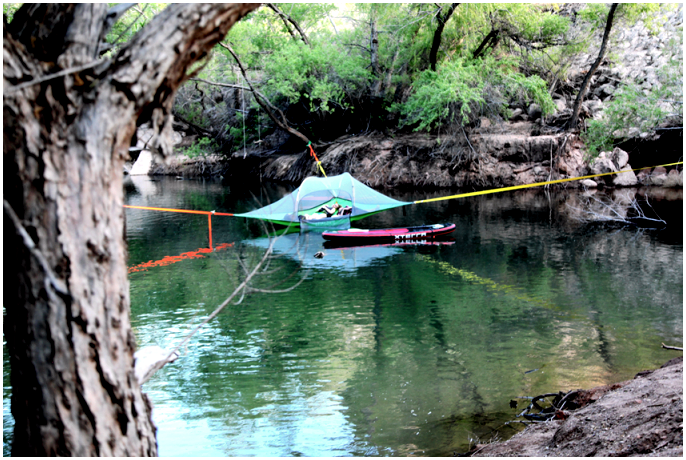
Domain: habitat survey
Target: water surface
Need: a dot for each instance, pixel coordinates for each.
(389, 350)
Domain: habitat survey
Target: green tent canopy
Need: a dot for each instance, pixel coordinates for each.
(315, 192)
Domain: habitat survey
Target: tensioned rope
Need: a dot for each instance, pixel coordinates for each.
(187, 211)
(312, 154)
(538, 184)
(460, 195)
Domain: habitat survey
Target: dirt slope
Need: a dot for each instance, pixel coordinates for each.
(639, 417)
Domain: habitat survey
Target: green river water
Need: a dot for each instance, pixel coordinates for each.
(388, 350)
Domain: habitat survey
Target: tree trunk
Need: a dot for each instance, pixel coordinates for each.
(66, 138)
(490, 41)
(433, 55)
(571, 125)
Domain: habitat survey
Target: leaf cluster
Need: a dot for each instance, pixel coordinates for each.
(466, 89)
(637, 107)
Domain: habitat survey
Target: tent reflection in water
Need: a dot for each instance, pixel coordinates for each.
(315, 192)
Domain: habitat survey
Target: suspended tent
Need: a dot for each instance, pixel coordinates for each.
(315, 192)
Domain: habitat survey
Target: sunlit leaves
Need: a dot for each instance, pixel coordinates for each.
(640, 107)
(462, 89)
(321, 74)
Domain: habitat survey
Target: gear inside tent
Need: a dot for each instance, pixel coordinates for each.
(307, 205)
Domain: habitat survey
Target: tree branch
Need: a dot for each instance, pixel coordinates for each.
(286, 19)
(571, 125)
(283, 124)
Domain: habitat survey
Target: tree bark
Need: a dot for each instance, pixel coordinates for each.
(572, 124)
(438, 33)
(490, 41)
(67, 322)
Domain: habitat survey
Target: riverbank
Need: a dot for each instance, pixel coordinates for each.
(639, 417)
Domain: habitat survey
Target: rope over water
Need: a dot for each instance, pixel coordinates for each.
(538, 184)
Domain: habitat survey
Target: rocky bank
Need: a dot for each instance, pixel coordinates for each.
(639, 417)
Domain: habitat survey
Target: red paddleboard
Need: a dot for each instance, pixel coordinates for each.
(391, 234)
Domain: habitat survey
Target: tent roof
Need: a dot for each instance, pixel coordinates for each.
(314, 191)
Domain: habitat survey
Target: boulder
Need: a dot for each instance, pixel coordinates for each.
(602, 165)
(534, 112)
(143, 164)
(643, 176)
(604, 91)
(516, 115)
(674, 179)
(656, 179)
(620, 158)
(625, 179)
(561, 104)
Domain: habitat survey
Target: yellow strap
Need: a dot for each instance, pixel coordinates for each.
(537, 184)
(319, 163)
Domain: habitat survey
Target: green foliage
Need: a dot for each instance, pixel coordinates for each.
(321, 74)
(635, 109)
(8, 10)
(201, 147)
(463, 88)
(133, 20)
(334, 72)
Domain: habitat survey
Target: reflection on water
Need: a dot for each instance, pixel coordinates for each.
(390, 350)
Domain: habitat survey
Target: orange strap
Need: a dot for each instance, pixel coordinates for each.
(312, 154)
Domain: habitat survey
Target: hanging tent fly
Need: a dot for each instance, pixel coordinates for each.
(298, 208)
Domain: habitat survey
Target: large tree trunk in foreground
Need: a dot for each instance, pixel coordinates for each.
(66, 292)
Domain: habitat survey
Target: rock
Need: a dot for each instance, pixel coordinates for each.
(516, 114)
(620, 158)
(561, 104)
(674, 179)
(485, 122)
(639, 417)
(602, 165)
(643, 176)
(593, 106)
(656, 179)
(604, 91)
(589, 183)
(625, 179)
(143, 165)
(534, 112)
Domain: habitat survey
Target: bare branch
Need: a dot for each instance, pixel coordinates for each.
(283, 124)
(286, 19)
(224, 85)
(61, 73)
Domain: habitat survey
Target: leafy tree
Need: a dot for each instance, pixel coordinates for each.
(634, 109)
(465, 89)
